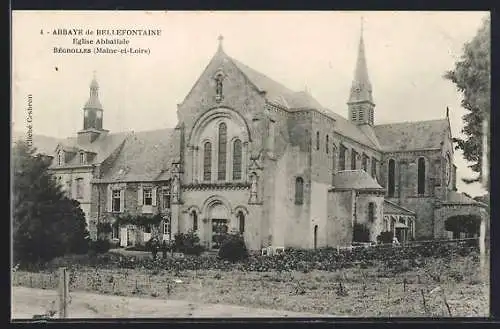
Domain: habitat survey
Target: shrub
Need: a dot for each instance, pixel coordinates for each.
(100, 246)
(233, 248)
(138, 247)
(361, 233)
(385, 237)
(188, 243)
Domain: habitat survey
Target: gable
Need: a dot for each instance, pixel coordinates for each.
(238, 92)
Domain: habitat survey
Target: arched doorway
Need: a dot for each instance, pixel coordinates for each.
(219, 219)
(315, 236)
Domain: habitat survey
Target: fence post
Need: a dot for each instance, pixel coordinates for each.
(63, 292)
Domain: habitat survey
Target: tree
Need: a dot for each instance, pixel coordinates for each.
(472, 78)
(46, 223)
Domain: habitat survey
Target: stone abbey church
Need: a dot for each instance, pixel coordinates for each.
(252, 156)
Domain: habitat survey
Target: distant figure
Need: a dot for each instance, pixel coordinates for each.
(154, 248)
(395, 241)
(164, 249)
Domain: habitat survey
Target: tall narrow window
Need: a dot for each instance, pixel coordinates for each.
(147, 196)
(317, 140)
(307, 140)
(116, 201)
(82, 158)
(326, 144)
(343, 151)
(365, 163)
(194, 215)
(222, 152)
(391, 176)
(166, 227)
(166, 198)
(374, 168)
(334, 159)
(207, 161)
(421, 176)
(371, 212)
(237, 159)
(79, 188)
(354, 155)
(241, 222)
(361, 115)
(299, 190)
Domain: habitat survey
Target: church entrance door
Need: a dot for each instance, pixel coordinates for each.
(315, 236)
(219, 219)
(219, 229)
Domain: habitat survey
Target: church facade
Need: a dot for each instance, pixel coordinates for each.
(251, 156)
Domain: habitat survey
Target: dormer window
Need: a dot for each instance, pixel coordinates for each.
(60, 158)
(82, 158)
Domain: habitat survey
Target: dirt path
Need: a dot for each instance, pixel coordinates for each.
(27, 302)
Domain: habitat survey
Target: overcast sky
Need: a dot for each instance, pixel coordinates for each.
(407, 54)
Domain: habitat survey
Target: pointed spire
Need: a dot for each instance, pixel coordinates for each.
(220, 38)
(361, 90)
(93, 101)
(94, 84)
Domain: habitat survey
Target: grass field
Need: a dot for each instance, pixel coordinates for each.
(437, 288)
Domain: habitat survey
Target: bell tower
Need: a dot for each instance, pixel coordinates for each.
(360, 104)
(92, 115)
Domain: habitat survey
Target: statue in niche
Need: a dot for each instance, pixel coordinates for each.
(253, 189)
(218, 86)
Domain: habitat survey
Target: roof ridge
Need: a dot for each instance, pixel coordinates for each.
(399, 206)
(237, 62)
(408, 122)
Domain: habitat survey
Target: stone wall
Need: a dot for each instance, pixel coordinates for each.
(319, 216)
(424, 214)
(68, 179)
(362, 204)
(340, 217)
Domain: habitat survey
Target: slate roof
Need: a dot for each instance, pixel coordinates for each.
(354, 179)
(103, 146)
(417, 135)
(275, 91)
(390, 208)
(44, 144)
(292, 100)
(145, 156)
(347, 128)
